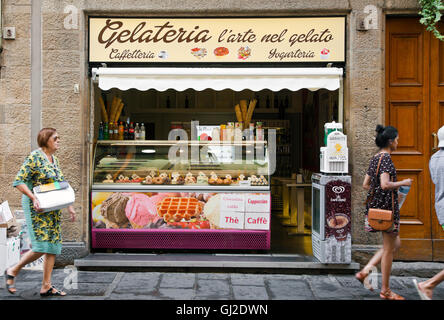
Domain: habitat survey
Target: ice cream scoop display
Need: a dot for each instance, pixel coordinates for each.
(144, 200)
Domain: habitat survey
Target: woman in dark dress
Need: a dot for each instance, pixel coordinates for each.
(383, 183)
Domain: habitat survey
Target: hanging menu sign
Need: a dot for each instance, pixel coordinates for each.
(241, 40)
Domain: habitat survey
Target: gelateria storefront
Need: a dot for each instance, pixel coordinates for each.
(195, 119)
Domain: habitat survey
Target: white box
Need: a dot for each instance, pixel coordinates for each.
(257, 220)
(258, 202)
(9, 253)
(232, 202)
(231, 220)
(3, 233)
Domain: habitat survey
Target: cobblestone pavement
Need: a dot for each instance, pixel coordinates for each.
(98, 285)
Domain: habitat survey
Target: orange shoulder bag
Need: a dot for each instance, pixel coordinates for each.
(380, 219)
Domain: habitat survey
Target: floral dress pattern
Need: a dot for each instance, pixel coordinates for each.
(382, 199)
(44, 227)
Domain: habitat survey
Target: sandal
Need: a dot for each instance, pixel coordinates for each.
(390, 295)
(50, 293)
(421, 294)
(361, 276)
(9, 286)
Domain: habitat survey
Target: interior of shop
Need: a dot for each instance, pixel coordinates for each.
(297, 116)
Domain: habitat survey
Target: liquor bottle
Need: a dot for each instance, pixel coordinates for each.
(116, 131)
(101, 131)
(111, 131)
(137, 132)
(105, 131)
(142, 132)
(131, 131)
(121, 130)
(125, 132)
(251, 137)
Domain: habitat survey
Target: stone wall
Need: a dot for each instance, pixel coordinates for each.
(64, 64)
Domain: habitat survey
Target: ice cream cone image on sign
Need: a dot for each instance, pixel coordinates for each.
(325, 54)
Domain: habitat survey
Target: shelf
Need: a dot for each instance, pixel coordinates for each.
(174, 188)
(212, 111)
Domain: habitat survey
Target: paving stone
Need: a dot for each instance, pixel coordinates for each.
(289, 289)
(213, 289)
(86, 289)
(247, 279)
(178, 280)
(94, 277)
(138, 283)
(213, 276)
(177, 294)
(132, 296)
(328, 288)
(250, 293)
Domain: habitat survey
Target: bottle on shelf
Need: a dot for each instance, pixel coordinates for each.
(111, 131)
(251, 136)
(125, 132)
(116, 131)
(105, 131)
(142, 132)
(131, 131)
(137, 132)
(100, 131)
(121, 130)
(259, 132)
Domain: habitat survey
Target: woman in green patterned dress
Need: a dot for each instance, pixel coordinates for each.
(40, 167)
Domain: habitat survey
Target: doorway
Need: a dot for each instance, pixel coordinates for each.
(415, 106)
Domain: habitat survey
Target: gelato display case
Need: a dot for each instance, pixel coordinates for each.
(180, 195)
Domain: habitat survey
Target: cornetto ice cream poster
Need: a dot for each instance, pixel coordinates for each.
(181, 210)
(242, 40)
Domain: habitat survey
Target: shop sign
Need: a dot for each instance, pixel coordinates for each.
(217, 40)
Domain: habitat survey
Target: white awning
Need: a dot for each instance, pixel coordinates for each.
(236, 79)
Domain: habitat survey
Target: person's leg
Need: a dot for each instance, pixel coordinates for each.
(27, 258)
(373, 262)
(391, 244)
(428, 285)
(48, 266)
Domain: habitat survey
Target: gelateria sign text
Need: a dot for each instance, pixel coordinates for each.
(242, 40)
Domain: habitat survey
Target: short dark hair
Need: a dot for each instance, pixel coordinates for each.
(384, 135)
(44, 135)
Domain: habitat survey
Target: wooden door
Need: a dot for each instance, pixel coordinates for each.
(408, 47)
(436, 122)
